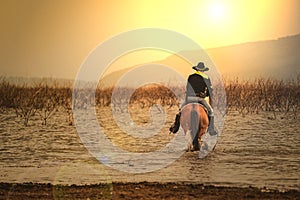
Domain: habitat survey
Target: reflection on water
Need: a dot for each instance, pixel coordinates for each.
(252, 150)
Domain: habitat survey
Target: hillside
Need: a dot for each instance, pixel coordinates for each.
(270, 59)
(274, 58)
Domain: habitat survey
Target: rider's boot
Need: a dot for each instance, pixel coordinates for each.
(211, 127)
(175, 126)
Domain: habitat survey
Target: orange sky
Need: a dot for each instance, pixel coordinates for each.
(51, 38)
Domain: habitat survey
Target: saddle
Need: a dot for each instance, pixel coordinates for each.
(199, 100)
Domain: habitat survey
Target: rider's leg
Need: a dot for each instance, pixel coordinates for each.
(210, 112)
(211, 126)
(175, 126)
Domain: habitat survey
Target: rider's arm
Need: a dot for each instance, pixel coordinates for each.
(210, 90)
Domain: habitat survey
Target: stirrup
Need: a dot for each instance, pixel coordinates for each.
(174, 128)
(212, 132)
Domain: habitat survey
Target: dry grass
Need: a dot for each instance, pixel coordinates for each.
(269, 95)
(42, 99)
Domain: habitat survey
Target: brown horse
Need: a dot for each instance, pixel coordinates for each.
(194, 121)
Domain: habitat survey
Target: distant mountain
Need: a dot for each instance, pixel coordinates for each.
(269, 59)
(273, 58)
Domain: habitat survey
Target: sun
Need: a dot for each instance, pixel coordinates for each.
(216, 20)
(217, 11)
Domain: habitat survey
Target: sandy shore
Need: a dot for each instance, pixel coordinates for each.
(143, 190)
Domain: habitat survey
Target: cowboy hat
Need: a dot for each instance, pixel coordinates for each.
(200, 67)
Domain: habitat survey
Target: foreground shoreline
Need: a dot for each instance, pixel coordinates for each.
(141, 190)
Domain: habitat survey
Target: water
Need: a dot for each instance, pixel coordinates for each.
(252, 151)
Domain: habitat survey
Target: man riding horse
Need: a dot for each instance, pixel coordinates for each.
(198, 87)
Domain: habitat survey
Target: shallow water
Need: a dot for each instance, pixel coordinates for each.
(252, 151)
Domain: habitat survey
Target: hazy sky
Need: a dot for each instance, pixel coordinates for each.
(53, 37)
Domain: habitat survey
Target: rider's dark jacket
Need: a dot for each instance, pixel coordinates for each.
(198, 85)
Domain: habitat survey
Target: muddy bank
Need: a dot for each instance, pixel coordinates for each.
(142, 190)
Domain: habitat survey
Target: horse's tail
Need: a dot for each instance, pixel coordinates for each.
(195, 119)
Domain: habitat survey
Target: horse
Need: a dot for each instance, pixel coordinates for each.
(194, 121)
